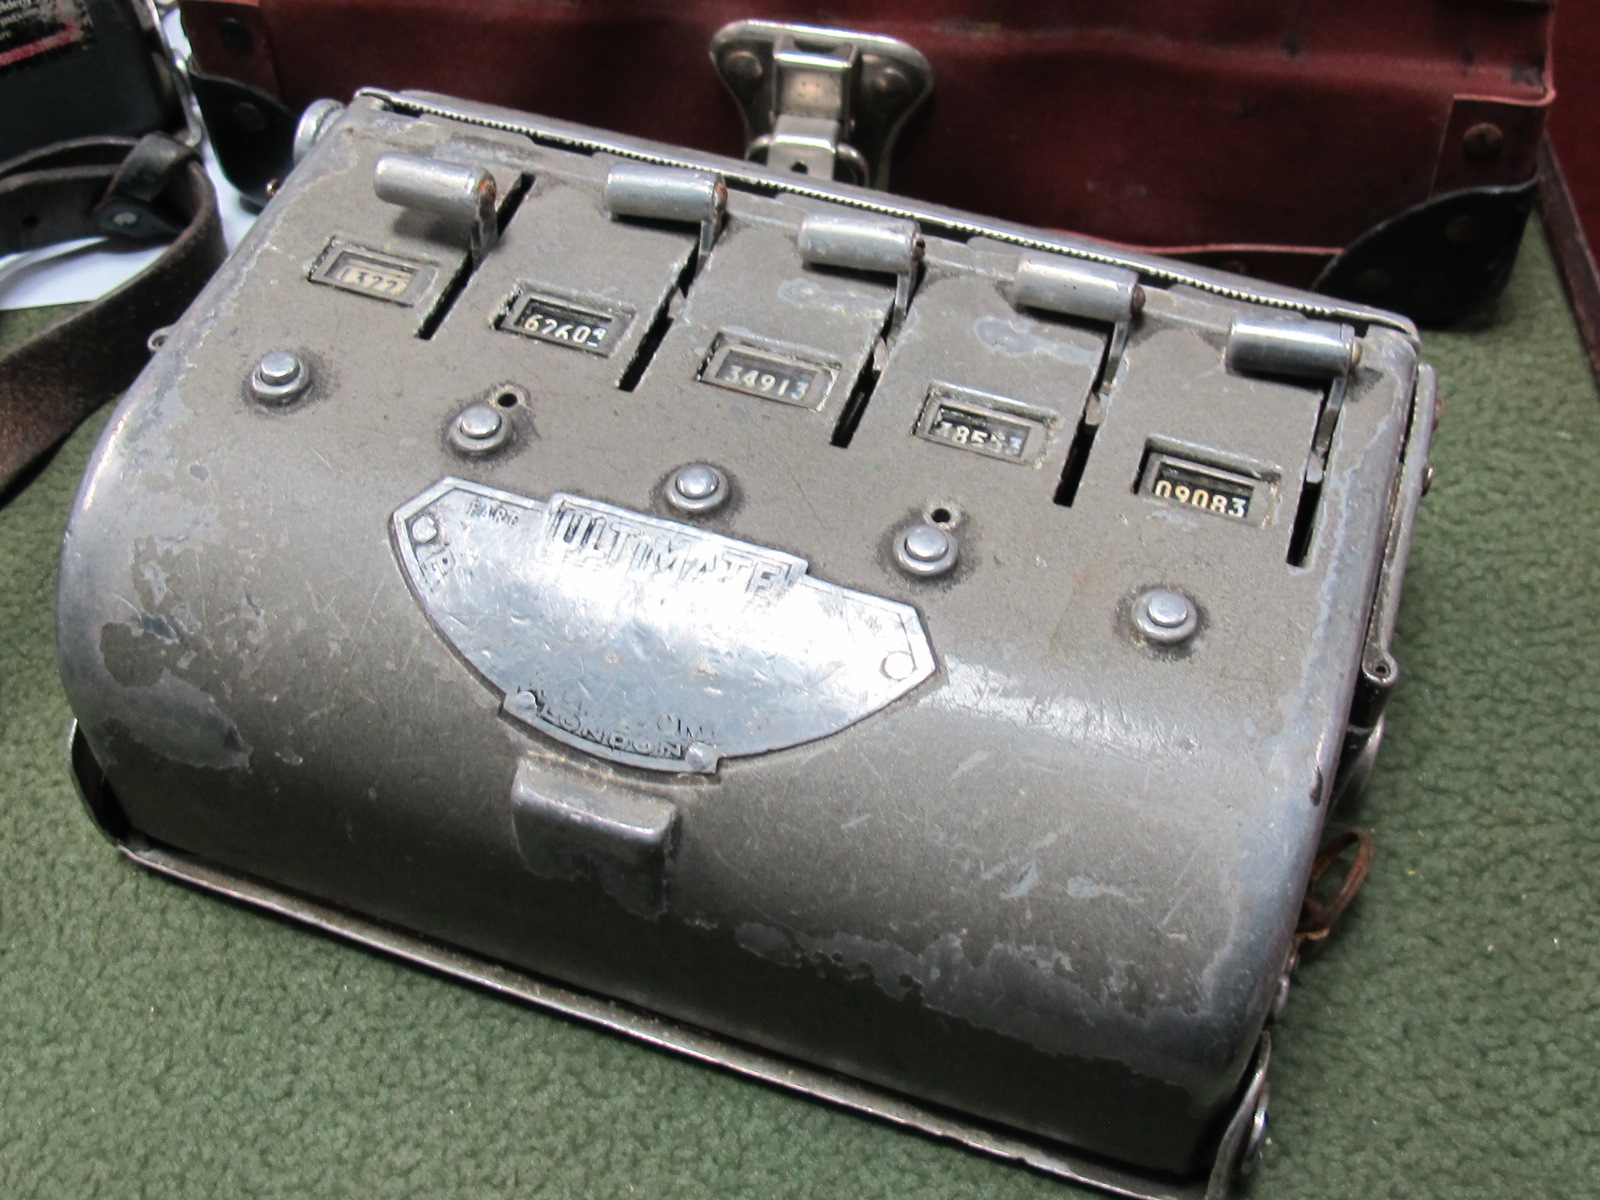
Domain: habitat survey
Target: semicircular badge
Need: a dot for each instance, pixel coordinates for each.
(644, 641)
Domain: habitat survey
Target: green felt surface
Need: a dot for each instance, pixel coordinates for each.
(156, 1042)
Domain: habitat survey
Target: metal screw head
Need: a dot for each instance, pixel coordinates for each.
(696, 488)
(478, 429)
(925, 550)
(1165, 617)
(279, 377)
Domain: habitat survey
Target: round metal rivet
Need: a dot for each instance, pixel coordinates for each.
(925, 550)
(249, 117)
(318, 117)
(1164, 616)
(424, 529)
(480, 422)
(891, 82)
(743, 66)
(696, 488)
(126, 219)
(1484, 141)
(1167, 609)
(278, 368)
(695, 483)
(899, 665)
(478, 429)
(699, 757)
(279, 377)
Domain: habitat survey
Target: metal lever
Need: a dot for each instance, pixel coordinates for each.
(669, 194)
(823, 102)
(878, 245)
(465, 197)
(1316, 350)
(1091, 291)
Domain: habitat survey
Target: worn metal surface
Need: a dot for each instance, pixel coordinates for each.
(646, 642)
(1047, 879)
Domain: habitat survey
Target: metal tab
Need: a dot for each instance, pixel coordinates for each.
(880, 245)
(817, 101)
(668, 194)
(647, 642)
(466, 197)
(567, 828)
(1092, 291)
(1303, 350)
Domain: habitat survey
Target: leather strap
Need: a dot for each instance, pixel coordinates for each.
(124, 188)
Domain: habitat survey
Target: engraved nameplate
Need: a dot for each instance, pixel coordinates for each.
(648, 642)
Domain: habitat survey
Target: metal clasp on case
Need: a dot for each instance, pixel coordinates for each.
(823, 102)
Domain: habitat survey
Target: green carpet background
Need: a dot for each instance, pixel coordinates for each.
(157, 1042)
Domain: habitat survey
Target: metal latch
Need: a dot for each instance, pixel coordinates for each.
(823, 102)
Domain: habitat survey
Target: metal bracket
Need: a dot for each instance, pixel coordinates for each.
(823, 102)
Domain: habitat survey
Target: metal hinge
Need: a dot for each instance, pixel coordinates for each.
(822, 102)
